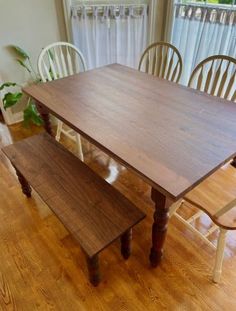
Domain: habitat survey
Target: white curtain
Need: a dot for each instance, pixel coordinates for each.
(110, 34)
(200, 32)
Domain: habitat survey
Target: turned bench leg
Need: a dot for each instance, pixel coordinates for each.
(93, 270)
(126, 244)
(26, 189)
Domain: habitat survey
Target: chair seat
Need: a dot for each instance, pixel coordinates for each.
(214, 194)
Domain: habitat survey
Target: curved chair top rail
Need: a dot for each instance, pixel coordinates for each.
(163, 60)
(216, 75)
(59, 60)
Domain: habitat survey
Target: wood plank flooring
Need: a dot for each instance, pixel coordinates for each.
(43, 268)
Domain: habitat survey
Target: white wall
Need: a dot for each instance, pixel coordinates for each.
(31, 24)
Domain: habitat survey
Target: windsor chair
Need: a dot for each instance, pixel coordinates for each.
(59, 60)
(216, 75)
(163, 60)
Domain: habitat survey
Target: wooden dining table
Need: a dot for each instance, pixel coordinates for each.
(172, 136)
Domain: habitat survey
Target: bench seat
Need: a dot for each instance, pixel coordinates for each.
(93, 211)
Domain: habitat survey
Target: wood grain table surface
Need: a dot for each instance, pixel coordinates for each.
(172, 136)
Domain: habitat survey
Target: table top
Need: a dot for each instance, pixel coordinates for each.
(172, 136)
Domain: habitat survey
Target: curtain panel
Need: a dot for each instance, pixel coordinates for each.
(108, 34)
(199, 32)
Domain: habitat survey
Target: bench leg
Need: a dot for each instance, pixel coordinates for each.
(93, 270)
(126, 244)
(26, 189)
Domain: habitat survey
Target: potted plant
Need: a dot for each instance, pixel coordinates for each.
(12, 97)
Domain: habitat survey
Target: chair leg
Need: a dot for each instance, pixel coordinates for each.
(219, 255)
(108, 162)
(59, 128)
(126, 244)
(175, 206)
(79, 147)
(93, 270)
(26, 189)
(89, 146)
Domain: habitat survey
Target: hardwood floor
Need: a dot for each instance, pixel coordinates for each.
(43, 268)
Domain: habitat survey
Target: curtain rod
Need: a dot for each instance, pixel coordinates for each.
(111, 2)
(90, 8)
(108, 4)
(210, 6)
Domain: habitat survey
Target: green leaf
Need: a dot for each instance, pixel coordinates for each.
(7, 84)
(27, 117)
(20, 52)
(10, 99)
(23, 65)
(31, 115)
(37, 120)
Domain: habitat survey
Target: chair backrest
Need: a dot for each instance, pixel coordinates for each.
(216, 75)
(163, 60)
(59, 60)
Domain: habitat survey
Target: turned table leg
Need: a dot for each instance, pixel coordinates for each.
(26, 189)
(159, 227)
(46, 118)
(233, 163)
(126, 244)
(93, 269)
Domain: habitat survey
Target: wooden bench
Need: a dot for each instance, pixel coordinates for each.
(92, 210)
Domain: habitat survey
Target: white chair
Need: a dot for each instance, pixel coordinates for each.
(220, 188)
(216, 75)
(59, 60)
(163, 60)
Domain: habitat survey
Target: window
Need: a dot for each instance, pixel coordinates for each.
(202, 29)
(108, 31)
